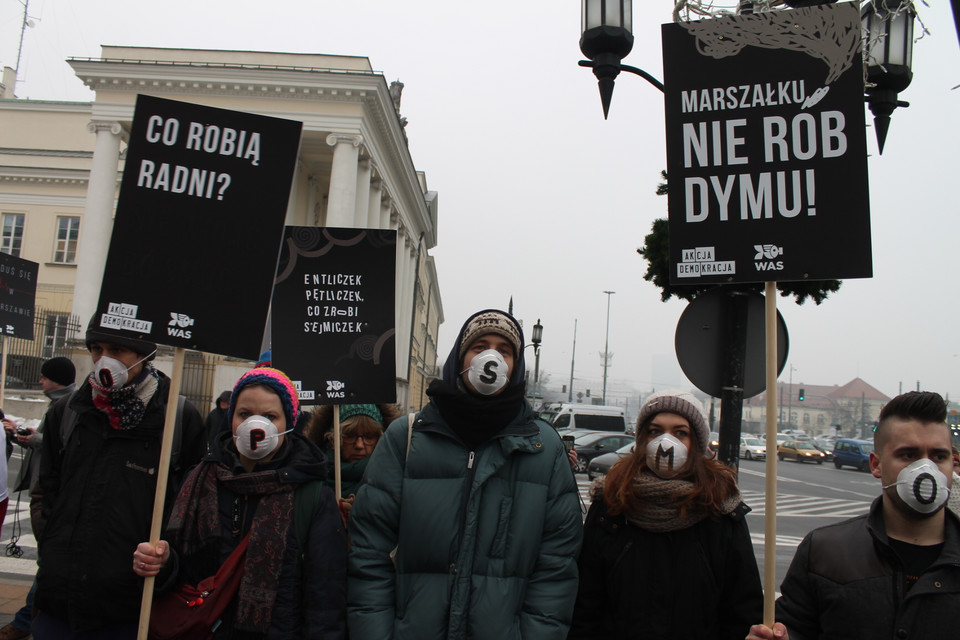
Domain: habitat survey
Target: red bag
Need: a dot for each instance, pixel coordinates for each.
(189, 612)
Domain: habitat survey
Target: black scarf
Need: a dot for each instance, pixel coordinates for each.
(476, 418)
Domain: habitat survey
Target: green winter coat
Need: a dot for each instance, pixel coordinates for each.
(488, 539)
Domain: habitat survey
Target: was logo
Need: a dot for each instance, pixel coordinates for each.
(177, 325)
(335, 389)
(768, 253)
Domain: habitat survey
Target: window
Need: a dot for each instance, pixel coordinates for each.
(12, 233)
(68, 231)
(55, 335)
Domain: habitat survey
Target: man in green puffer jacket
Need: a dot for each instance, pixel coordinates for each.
(478, 502)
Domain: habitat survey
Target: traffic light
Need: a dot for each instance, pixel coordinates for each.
(803, 394)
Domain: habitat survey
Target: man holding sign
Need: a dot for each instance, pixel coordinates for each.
(99, 475)
(895, 572)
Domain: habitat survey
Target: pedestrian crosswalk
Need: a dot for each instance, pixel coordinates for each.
(797, 506)
(26, 564)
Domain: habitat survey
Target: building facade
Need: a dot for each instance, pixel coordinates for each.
(60, 168)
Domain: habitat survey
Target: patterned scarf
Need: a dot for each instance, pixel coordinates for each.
(125, 406)
(195, 527)
(661, 504)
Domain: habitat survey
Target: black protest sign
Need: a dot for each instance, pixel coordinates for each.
(18, 293)
(332, 318)
(766, 147)
(198, 227)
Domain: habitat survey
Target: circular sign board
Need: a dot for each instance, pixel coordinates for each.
(701, 341)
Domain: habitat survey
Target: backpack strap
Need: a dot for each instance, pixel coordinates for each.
(410, 417)
(68, 420)
(306, 497)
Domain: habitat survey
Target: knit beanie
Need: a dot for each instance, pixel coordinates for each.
(681, 403)
(277, 381)
(59, 370)
(96, 334)
(371, 410)
(491, 321)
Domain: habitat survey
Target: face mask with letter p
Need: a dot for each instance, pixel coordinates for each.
(666, 455)
(257, 437)
(488, 372)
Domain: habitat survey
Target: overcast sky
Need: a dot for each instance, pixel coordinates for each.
(543, 200)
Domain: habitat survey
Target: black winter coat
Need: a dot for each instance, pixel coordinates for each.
(700, 582)
(846, 581)
(98, 498)
(311, 596)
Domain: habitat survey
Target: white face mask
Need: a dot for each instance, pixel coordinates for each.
(257, 437)
(922, 486)
(488, 372)
(110, 372)
(666, 455)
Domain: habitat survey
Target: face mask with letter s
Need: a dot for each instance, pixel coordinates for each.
(487, 372)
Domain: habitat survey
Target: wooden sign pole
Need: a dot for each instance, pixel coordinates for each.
(770, 532)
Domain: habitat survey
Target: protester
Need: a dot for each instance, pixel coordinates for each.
(953, 502)
(99, 479)
(895, 571)
(57, 377)
(216, 420)
(248, 484)
(481, 508)
(361, 427)
(666, 550)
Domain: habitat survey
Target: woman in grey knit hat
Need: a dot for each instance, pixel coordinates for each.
(666, 551)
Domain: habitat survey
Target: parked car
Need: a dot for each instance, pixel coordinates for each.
(752, 448)
(852, 453)
(596, 443)
(600, 465)
(801, 451)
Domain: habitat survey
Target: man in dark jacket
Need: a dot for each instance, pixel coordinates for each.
(57, 377)
(895, 572)
(98, 474)
(216, 420)
(467, 524)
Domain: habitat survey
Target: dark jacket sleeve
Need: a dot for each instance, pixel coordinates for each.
(51, 457)
(588, 612)
(324, 600)
(796, 607)
(741, 601)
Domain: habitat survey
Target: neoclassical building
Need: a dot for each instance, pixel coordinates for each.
(60, 167)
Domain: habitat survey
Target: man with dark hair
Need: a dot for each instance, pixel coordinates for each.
(894, 572)
(98, 472)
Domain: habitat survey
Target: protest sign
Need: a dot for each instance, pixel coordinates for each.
(198, 227)
(766, 147)
(332, 316)
(18, 292)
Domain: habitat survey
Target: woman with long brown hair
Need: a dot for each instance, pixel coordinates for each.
(666, 551)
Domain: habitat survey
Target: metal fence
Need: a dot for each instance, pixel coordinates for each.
(54, 334)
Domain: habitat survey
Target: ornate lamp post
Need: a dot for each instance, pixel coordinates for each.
(536, 339)
(888, 51)
(606, 40)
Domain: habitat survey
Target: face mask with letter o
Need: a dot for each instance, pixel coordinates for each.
(257, 437)
(666, 455)
(487, 372)
(922, 486)
(110, 372)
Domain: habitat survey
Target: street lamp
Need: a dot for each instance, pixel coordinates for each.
(606, 40)
(606, 348)
(888, 51)
(536, 339)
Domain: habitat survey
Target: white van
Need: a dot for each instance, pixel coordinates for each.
(598, 417)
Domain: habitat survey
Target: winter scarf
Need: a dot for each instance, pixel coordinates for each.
(125, 406)
(351, 473)
(661, 504)
(195, 528)
(475, 418)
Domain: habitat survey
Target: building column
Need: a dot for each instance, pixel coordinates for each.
(363, 193)
(384, 209)
(402, 312)
(373, 209)
(342, 202)
(97, 224)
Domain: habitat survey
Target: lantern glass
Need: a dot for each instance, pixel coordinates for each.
(537, 333)
(609, 13)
